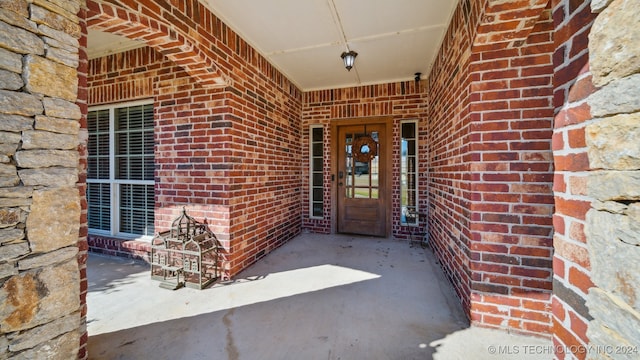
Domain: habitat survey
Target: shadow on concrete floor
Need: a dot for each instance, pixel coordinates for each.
(316, 297)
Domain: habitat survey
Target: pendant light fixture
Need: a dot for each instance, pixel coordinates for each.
(349, 58)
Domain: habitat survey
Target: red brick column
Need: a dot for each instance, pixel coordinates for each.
(511, 197)
(83, 246)
(571, 259)
(490, 162)
(512, 113)
(572, 83)
(448, 137)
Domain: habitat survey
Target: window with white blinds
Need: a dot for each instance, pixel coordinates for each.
(120, 179)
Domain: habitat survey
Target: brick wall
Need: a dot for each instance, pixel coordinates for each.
(448, 148)
(402, 101)
(572, 84)
(508, 87)
(229, 151)
(512, 202)
(144, 73)
(491, 164)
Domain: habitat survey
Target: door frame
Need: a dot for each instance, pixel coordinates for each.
(387, 121)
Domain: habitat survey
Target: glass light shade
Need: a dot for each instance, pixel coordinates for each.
(349, 58)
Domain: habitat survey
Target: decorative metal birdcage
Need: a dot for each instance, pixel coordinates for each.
(185, 255)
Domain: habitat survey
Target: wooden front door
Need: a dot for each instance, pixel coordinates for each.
(362, 185)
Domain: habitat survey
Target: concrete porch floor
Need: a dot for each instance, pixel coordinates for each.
(316, 297)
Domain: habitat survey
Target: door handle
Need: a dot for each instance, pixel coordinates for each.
(340, 174)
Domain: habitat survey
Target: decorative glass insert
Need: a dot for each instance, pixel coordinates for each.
(120, 170)
(316, 160)
(362, 177)
(408, 173)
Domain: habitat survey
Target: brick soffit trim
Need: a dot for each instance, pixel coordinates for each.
(507, 23)
(159, 35)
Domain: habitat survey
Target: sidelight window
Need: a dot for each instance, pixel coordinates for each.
(409, 173)
(316, 203)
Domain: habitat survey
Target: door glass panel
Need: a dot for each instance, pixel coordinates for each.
(348, 181)
(361, 177)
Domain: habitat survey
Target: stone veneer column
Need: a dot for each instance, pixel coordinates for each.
(613, 142)
(40, 313)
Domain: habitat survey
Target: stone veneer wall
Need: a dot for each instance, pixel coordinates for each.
(597, 158)
(40, 211)
(613, 146)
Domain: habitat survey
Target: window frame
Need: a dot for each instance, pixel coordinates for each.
(113, 181)
(311, 172)
(404, 168)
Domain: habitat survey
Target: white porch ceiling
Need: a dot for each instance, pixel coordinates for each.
(102, 44)
(394, 39)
